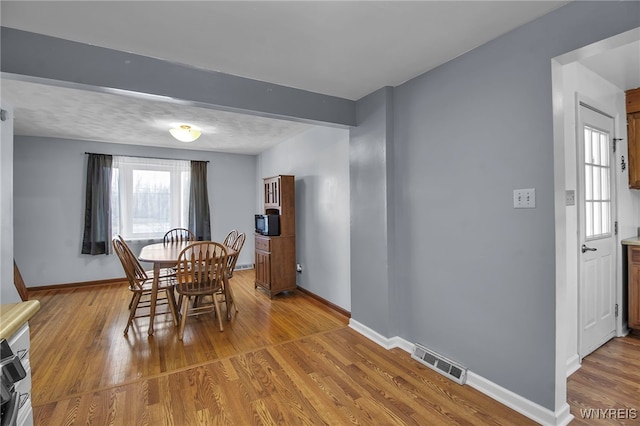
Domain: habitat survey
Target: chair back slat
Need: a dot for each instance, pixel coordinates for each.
(230, 238)
(178, 235)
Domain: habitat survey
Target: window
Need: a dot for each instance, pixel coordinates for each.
(148, 196)
(597, 171)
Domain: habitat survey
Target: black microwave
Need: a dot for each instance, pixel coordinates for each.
(268, 224)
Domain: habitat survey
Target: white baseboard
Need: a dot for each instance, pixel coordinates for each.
(573, 364)
(385, 342)
(522, 405)
(512, 400)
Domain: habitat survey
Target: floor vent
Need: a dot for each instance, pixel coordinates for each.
(245, 266)
(438, 363)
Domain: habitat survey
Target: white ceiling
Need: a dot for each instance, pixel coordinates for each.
(340, 48)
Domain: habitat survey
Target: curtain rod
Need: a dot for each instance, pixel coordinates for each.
(142, 156)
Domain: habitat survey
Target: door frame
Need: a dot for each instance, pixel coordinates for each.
(583, 101)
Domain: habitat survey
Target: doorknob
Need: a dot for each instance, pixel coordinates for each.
(585, 248)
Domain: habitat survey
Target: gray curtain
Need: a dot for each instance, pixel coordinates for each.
(97, 212)
(199, 220)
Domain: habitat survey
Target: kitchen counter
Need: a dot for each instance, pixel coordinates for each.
(15, 315)
(632, 241)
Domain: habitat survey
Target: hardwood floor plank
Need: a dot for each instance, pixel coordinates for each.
(298, 374)
(288, 388)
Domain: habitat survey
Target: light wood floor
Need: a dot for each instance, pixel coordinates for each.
(608, 380)
(290, 360)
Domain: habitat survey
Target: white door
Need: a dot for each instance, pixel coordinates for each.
(596, 238)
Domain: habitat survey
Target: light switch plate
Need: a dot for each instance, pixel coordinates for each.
(571, 197)
(524, 198)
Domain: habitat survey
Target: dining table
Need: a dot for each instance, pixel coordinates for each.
(165, 255)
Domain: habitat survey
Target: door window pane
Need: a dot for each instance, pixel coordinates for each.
(597, 188)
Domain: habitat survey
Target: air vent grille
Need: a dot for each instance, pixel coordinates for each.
(430, 358)
(245, 266)
(438, 363)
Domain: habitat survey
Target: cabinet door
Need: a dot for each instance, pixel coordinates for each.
(263, 269)
(634, 288)
(272, 192)
(633, 128)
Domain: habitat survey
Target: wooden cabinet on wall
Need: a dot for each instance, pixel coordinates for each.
(633, 256)
(633, 132)
(275, 256)
(280, 198)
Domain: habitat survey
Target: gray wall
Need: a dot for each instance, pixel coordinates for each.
(370, 157)
(319, 160)
(49, 179)
(475, 279)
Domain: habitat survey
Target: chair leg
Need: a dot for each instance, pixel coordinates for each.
(216, 305)
(133, 296)
(179, 301)
(132, 310)
(183, 320)
(172, 306)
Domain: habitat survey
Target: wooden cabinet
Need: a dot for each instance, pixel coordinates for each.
(263, 268)
(276, 263)
(279, 198)
(275, 256)
(633, 132)
(633, 256)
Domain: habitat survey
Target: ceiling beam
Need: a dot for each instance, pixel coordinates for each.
(40, 58)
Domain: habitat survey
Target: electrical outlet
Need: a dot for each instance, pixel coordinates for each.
(524, 198)
(299, 268)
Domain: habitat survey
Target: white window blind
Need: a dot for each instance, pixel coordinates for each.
(149, 196)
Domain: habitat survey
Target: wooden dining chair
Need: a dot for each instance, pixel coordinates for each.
(141, 285)
(231, 265)
(237, 248)
(230, 238)
(179, 235)
(200, 272)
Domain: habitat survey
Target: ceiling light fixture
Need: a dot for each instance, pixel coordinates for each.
(185, 133)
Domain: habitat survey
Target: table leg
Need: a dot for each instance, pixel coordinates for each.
(154, 296)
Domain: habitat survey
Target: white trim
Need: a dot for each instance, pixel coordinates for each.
(573, 364)
(385, 342)
(512, 400)
(522, 405)
(559, 166)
